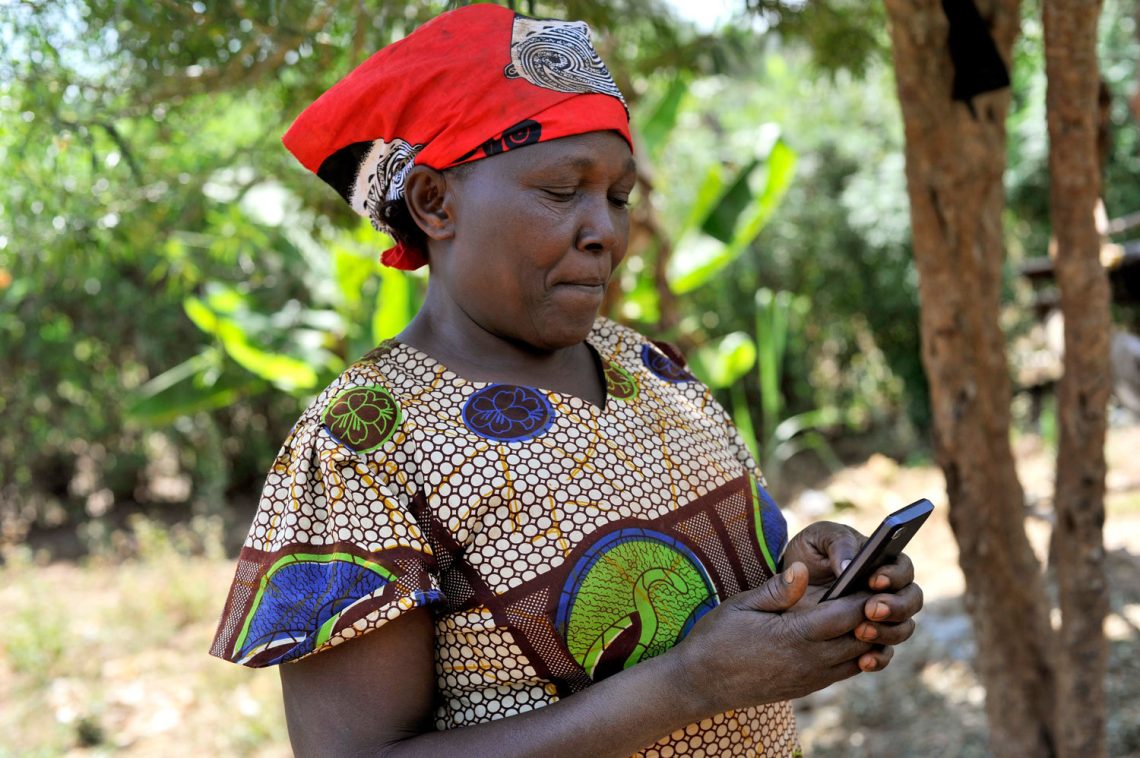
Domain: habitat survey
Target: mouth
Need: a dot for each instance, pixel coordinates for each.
(590, 282)
(591, 290)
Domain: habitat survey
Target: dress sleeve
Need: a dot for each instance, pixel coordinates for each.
(335, 549)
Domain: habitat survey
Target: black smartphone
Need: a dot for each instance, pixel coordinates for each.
(885, 544)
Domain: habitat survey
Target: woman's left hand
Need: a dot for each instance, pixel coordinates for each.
(825, 548)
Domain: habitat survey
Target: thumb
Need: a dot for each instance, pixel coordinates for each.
(780, 592)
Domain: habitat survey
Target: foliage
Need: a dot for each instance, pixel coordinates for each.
(843, 35)
(178, 239)
(164, 265)
(838, 247)
(173, 288)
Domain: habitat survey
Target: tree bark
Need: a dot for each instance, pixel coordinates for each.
(954, 163)
(1078, 547)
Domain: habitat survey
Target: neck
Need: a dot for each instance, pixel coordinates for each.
(445, 332)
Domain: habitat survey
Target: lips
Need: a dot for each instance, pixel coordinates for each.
(590, 290)
(585, 283)
(591, 280)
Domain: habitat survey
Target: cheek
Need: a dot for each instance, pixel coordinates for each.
(621, 241)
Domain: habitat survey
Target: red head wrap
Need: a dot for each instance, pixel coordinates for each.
(468, 84)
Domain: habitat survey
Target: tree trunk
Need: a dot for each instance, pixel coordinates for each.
(954, 164)
(1078, 547)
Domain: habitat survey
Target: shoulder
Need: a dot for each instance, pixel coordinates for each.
(611, 334)
(361, 409)
(632, 349)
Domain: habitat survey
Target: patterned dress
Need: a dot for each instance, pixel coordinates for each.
(556, 542)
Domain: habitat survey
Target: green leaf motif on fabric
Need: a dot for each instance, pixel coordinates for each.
(630, 597)
(363, 418)
(620, 383)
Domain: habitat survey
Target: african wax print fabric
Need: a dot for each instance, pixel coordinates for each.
(556, 542)
(469, 84)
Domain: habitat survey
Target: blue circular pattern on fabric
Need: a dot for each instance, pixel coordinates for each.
(662, 367)
(508, 413)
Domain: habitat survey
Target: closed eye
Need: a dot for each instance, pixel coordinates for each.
(562, 195)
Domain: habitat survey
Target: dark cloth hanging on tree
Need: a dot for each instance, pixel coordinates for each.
(978, 67)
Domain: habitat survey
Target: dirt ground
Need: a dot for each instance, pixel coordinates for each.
(928, 702)
(106, 655)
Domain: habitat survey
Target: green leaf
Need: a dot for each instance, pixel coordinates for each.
(283, 371)
(659, 124)
(728, 359)
(190, 387)
(201, 315)
(721, 222)
(350, 272)
(701, 256)
(771, 337)
(708, 194)
(221, 298)
(696, 259)
(780, 169)
(395, 304)
(742, 417)
(816, 419)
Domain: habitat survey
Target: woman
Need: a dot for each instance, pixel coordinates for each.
(514, 502)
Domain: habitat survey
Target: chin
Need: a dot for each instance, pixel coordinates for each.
(564, 332)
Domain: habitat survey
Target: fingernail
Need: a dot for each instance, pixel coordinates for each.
(880, 611)
(880, 582)
(868, 664)
(868, 632)
(843, 566)
(789, 576)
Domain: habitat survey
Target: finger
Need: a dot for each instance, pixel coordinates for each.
(831, 619)
(843, 649)
(893, 576)
(876, 659)
(896, 607)
(841, 548)
(845, 670)
(885, 634)
(779, 593)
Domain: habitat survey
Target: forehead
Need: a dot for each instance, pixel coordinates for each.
(603, 153)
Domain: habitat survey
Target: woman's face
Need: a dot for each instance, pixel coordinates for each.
(538, 231)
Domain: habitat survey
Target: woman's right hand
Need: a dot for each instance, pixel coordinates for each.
(752, 649)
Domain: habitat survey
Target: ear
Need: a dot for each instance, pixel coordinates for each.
(425, 191)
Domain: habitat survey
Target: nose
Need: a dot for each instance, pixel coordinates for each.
(603, 226)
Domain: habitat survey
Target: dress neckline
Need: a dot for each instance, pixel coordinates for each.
(574, 400)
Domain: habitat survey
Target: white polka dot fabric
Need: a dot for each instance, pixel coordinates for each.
(556, 542)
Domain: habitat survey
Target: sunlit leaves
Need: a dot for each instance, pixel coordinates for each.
(397, 300)
(729, 212)
(200, 383)
(658, 124)
(234, 327)
(726, 360)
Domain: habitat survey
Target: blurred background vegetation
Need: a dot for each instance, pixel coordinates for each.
(174, 287)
